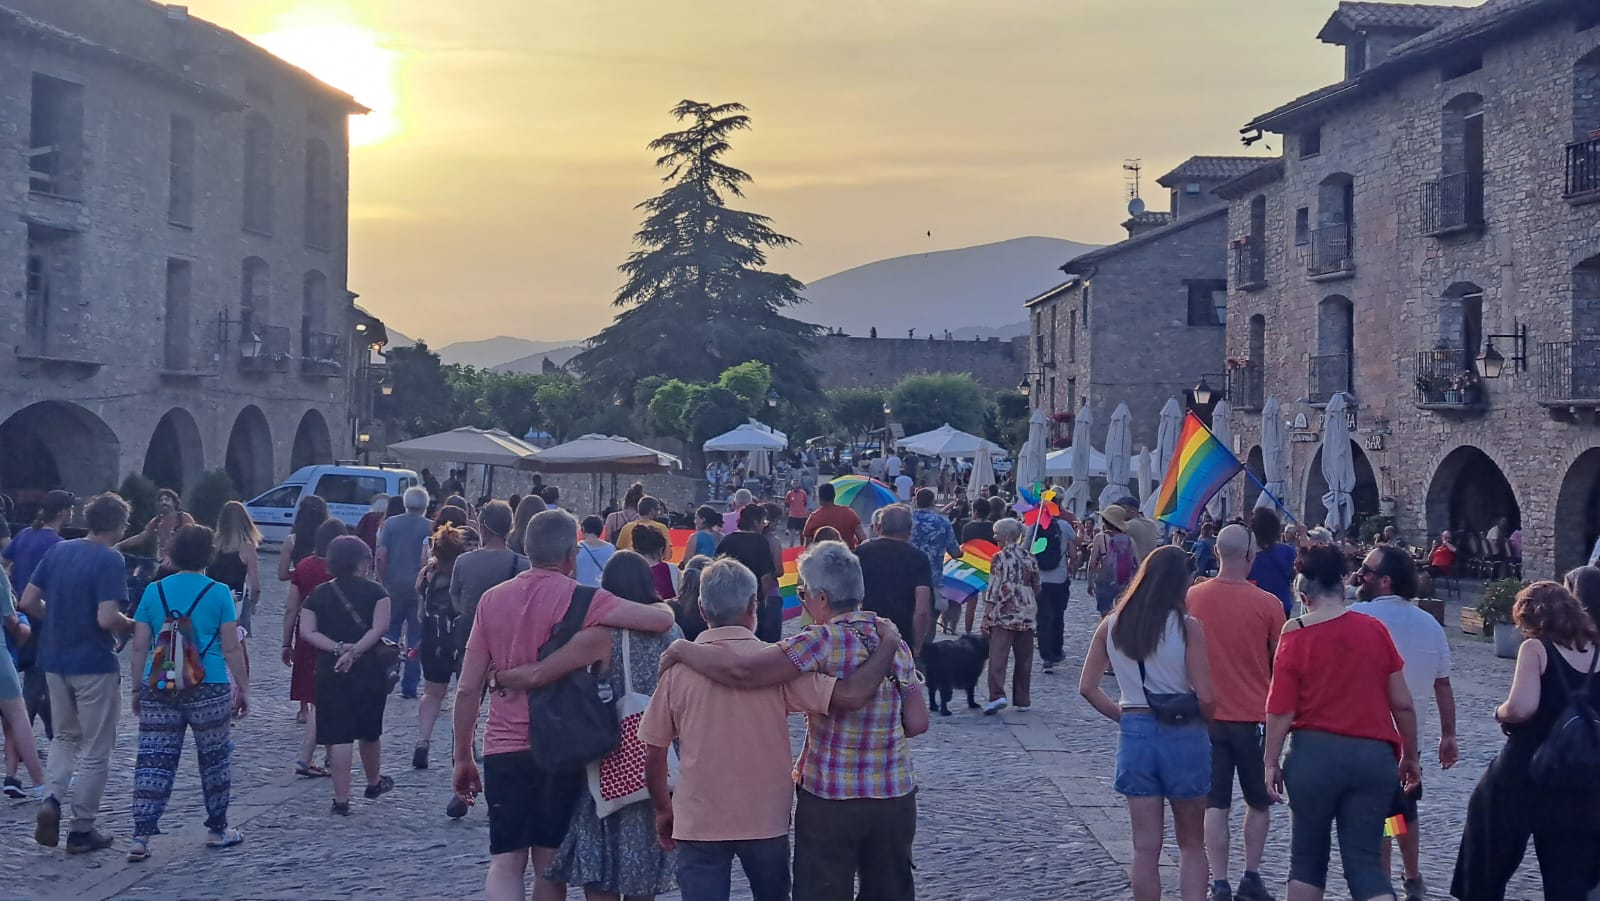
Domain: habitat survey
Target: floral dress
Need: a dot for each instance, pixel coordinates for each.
(620, 854)
(1009, 602)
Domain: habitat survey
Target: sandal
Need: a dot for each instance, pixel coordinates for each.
(139, 849)
(342, 808)
(227, 838)
(302, 768)
(383, 785)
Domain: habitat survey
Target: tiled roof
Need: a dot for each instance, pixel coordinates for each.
(1359, 16)
(1077, 264)
(1209, 168)
(1053, 293)
(1260, 176)
(1149, 217)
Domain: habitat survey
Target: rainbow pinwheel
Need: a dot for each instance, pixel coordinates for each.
(847, 488)
(965, 577)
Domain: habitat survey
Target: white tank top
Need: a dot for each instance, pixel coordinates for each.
(1165, 671)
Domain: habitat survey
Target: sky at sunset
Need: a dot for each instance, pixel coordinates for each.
(493, 186)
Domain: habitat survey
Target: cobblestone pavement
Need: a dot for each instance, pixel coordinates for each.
(1017, 806)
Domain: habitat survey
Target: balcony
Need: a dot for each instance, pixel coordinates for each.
(1246, 387)
(1447, 381)
(1452, 204)
(321, 355)
(1583, 171)
(1569, 375)
(1328, 374)
(263, 348)
(1329, 255)
(1249, 267)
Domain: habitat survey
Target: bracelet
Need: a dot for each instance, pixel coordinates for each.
(338, 649)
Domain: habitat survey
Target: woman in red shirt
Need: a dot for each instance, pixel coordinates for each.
(1338, 685)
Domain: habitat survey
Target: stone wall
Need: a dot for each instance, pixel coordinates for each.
(1404, 288)
(851, 362)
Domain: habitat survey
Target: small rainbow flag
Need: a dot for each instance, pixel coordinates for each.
(965, 577)
(1394, 826)
(789, 581)
(1200, 467)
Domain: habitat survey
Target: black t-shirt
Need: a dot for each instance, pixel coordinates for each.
(892, 571)
(750, 549)
(978, 530)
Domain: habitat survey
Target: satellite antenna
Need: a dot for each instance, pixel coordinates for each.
(1133, 168)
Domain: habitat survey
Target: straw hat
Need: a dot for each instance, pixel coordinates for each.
(1115, 516)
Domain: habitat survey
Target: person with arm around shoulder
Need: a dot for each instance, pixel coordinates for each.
(1157, 652)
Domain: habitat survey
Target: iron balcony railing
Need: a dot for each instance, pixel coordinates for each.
(1447, 376)
(1246, 387)
(1249, 264)
(1569, 373)
(1328, 374)
(1583, 167)
(263, 348)
(1330, 250)
(1452, 202)
(321, 354)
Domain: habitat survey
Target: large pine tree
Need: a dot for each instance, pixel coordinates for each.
(697, 297)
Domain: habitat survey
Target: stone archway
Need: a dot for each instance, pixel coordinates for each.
(174, 458)
(1255, 465)
(56, 444)
(312, 444)
(1365, 495)
(1577, 521)
(249, 458)
(1468, 493)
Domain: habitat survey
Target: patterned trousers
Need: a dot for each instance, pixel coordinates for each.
(206, 710)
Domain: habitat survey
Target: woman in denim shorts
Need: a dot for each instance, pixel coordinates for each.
(1156, 649)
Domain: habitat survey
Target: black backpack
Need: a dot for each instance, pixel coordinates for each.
(570, 723)
(1050, 557)
(1569, 757)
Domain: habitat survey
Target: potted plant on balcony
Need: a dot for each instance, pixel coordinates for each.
(1466, 387)
(1495, 609)
(1428, 388)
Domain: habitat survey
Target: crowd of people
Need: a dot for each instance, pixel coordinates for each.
(1252, 655)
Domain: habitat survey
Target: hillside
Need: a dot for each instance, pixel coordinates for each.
(973, 291)
(490, 353)
(534, 362)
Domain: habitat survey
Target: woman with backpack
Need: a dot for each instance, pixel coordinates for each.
(437, 650)
(1113, 559)
(1157, 652)
(1517, 799)
(189, 618)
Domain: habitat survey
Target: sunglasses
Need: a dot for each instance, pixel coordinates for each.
(1366, 570)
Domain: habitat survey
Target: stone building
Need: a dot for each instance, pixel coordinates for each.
(1431, 223)
(173, 229)
(845, 361)
(1142, 320)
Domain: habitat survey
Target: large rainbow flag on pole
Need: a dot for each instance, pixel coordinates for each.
(1200, 467)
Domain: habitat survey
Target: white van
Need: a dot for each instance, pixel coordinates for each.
(347, 489)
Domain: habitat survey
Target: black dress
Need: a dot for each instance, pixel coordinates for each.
(1507, 808)
(350, 704)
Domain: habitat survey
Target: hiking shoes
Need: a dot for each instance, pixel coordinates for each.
(84, 842)
(47, 824)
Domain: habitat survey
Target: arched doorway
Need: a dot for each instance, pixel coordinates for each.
(1468, 495)
(249, 460)
(1365, 495)
(55, 444)
(174, 458)
(311, 442)
(1577, 520)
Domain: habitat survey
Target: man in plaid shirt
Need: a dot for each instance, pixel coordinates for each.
(856, 803)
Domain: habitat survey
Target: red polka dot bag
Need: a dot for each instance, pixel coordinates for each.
(618, 779)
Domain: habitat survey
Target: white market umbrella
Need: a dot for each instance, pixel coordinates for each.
(1222, 429)
(1167, 432)
(602, 454)
(1059, 464)
(1338, 469)
(466, 445)
(948, 443)
(1031, 459)
(1274, 455)
(748, 438)
(1143, 469)
(982, 471)
(1077, 495)
(1119, 444)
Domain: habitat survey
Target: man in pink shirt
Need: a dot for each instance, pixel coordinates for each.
(734, 790)
(529, 808)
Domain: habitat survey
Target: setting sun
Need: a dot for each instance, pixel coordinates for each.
(351, 58)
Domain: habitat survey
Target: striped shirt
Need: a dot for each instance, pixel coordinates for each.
(863, 753)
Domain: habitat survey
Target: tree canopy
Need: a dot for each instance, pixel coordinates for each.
(925, 402)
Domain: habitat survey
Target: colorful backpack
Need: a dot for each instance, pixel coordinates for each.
(1120, 562)
(175, 665)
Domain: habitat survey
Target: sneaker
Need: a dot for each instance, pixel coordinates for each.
(1415, 889)
(383, 785)
(1221, 893)
(456, 809)
(1251, 888)
(995, 706)
(47, 824)
(13, 789)
(1049, 667)
(1022, 708)
(84, 842)
(342, 808)
(419, 757)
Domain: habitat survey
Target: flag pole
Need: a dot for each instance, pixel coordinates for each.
(1268, 493)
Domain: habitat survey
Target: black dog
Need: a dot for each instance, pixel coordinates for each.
(949, 665)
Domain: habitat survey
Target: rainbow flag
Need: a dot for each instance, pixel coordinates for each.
(1200, 467)
(1394, 826)
(789, 581)
(965, 577)
(678, 544)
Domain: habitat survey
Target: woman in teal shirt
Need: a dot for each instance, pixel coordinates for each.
(204, 708)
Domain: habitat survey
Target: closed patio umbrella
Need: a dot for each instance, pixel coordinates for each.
(982, 472)
(1119, 444)
(1167, 432)
(1274, 455)
(1222, 428)
(1338, 468)
(1077, 494)
(1031, 459)
(1143, 476)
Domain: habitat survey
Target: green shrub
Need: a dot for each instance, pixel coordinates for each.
(1497, 601)
(140, 493)
(209, 494)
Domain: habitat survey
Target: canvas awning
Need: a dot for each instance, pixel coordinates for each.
(601, 454)
(487, 447)
(948, 442)
(750, 437)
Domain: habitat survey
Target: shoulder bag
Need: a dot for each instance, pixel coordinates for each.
(1172, 708)
(384, 654)
(1569, 757)
(619, 779)
(572, 722)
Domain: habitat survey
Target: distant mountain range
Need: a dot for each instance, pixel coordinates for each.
(974, 292)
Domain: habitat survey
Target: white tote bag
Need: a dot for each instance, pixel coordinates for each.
(618, 779)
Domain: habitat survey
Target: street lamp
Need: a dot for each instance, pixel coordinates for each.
(1202, 392)
(1025, 387)
(772, 397)
(1493, 362)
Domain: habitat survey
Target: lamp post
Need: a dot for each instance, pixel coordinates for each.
(772, 397)
(887, 410)
(364, 444)
(1025, 387)
(1493, 362)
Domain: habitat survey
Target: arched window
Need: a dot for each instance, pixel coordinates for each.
(1332, 241)
(1454, 356)
(1586, 300)
(1258, 338)
(1250, 270)
(1583, 155)
(319, 194)
(1331, 366)
(313, 315)
(255, 293)
(1454, 201)
(258, 159)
